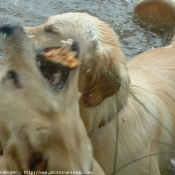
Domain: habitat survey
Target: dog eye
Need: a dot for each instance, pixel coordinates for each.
(14, 77)
(51, 29)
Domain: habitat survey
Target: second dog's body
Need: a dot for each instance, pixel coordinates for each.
(140, 100)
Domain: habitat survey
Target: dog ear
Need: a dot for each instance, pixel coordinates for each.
(96, 91)
(101, 82)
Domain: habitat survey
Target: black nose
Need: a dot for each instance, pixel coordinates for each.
(9, 29)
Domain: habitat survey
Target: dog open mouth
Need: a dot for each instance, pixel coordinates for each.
(55, 63)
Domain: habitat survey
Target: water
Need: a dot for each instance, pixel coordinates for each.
(117, 13)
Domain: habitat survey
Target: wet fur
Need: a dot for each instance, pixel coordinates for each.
(159, 13)
(143, 103)
(39, 131)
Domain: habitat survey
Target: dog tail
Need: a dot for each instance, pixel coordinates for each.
(159, 13)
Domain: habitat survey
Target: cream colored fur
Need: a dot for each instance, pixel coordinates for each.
(39, 130)
(142, 107)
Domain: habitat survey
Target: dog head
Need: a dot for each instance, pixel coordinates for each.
(102, 59)
(40, 130)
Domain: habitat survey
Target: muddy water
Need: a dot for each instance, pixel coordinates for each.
(117, 13)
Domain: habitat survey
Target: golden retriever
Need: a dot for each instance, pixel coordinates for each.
(128, 109)
(40, 127)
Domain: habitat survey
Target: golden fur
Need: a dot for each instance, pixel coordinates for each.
(39, 130)
(143, 103)
(160, 13)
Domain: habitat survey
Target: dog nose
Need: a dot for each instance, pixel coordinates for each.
(8, 29)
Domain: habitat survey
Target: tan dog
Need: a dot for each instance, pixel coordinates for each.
(160, 13)
(140, 100)
(40, 131)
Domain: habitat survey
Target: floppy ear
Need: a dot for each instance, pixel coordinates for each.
(102, 81)
(96, 91)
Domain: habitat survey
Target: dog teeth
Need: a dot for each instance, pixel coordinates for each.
(67, 44)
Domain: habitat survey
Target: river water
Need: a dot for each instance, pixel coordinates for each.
(117, 13)
(134, 36)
